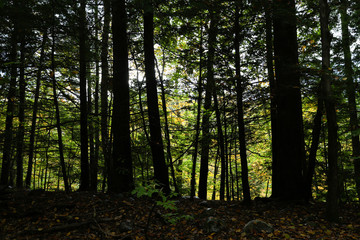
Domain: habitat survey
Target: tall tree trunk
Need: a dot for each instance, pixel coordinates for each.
(161, 173)
(57, 112)
(35, 110)
(120, 174)
(167, 132)
(350, 91)
(21, 114)
(314, 144)
(8, 139)
(198, 116)
(95, 159)
(272, 83)
(224, 179)
(288, 179)
(104, 88)
(84, 161)
(240, 117)
(332, 209)
(206, 136)
(91, 116)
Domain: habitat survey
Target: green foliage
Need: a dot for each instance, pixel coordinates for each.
(164, 201)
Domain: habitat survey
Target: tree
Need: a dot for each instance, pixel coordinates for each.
(209, 90)
(6, 162)
(35, 110)
(332, 209)
(120, 172)
(104, 88)
(21, 128)
(240, 117)
(288, 179)
(84, 178)
(57, 111)
(350, 91)
(198, 116)
(161, 173)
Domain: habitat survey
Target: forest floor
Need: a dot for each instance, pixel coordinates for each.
(85, 215)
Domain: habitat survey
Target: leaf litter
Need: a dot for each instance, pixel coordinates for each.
(86, 215)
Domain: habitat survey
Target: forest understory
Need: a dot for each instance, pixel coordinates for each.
(85, 215)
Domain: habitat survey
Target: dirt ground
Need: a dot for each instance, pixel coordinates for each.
(85, 215)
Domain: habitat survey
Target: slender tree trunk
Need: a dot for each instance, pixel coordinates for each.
(57, 112)
(314, 144)
(224, 180)
(104, 88)
(21, 114)
(84, 161)
(236, 171)
(90, 124)
(226, 159)
(121, 172)
(167, 132)
(240, 118)
(8, 139)
(161, 173)
(35, 110)
(206, 136)
(198, 116)
(288, 179)
(215, 174)
(332, 209)
(94, 163)
(350, 91)
(273, 89)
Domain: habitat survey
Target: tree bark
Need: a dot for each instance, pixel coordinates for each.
(288, 179)
(272, 84)
(224, 178)
(84, 161)
(198, 116)
(161, 173)
(6, 162)
(350, 92)
(57, 115)
(206, 136)
(240, 117)
(167, 131)
(332, 209)
(120, 173)
(35, 110)
(104, 88)
(94, 161)
(21, 114)
(314, 144)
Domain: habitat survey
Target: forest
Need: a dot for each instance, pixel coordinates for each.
(214, 100)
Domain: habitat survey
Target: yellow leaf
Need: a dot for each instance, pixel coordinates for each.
(76, 218)
(328, 232)
(287, 236)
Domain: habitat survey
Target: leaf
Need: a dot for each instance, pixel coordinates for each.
(286, 236)
(328, 232)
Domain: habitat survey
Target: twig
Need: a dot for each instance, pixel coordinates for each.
(66, 226)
